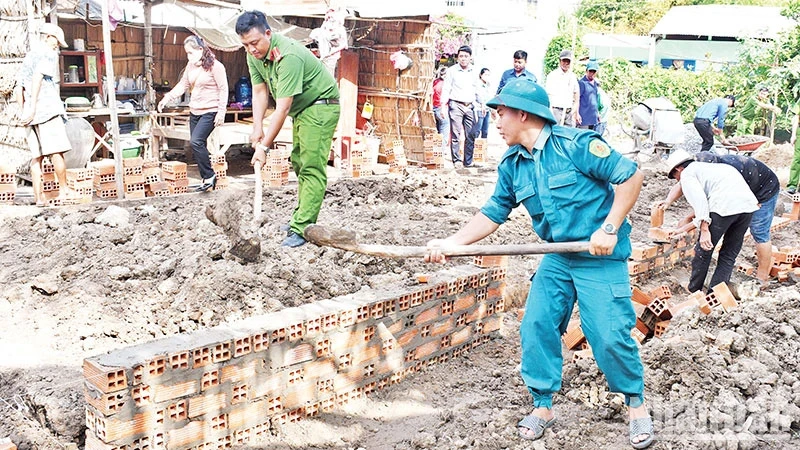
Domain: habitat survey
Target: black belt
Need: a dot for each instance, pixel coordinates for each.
(326, 101)
(463, 103)
(562, 109)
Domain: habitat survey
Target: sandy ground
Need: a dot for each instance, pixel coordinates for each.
(82, 280)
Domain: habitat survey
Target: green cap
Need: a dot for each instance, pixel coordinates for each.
(526, 95)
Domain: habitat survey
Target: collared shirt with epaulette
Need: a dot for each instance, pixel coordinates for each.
(291, 70)
(565, 184)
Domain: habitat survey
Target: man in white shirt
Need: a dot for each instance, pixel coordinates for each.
(562, 87)
(460, 94)
(723, 206)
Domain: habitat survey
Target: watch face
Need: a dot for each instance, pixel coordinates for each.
(609, 228)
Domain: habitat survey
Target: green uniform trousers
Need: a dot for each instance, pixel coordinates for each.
(794, 169)
(602, 289)
(312, 133)
(745, 126)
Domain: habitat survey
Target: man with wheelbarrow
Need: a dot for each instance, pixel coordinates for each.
(563, 177)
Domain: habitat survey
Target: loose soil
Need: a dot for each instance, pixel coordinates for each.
(82, 280)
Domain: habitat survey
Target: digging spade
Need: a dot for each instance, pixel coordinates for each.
(346, 240)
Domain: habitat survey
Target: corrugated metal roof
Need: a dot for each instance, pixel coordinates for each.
(734, 21)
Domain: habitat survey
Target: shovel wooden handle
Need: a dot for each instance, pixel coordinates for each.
(346, 240)
(258, 194)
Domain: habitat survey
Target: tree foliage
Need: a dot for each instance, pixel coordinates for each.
(450, 32)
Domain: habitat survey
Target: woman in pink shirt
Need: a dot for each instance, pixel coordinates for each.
(208, 82)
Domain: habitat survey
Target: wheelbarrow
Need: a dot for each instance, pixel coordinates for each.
(744, 145)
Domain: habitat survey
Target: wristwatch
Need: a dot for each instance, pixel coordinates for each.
(609, 228)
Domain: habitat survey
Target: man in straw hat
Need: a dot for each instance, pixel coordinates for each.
(41, 108)
(723, 206)
(563, 177)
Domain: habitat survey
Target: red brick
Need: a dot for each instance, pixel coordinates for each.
(661, 328)
(299, 354)
(91, 443)
(428, 315)
(107, 379)
(725, 296)
(191, 434)
(299, 395)
(642, 327)
(464, 302)
(163, 393)
(404, 339)
(365, 353)
(574, 336)
(460, 337)
(656, 216)
(236, 373)
(267, 385)
(320, 369)
(106, 403)
(443, 327)
(477, 313)
(662, 291)
(491, 324)
(427, 349)
(207, 404)
(660, 234)
(111, 429)
(638, 296)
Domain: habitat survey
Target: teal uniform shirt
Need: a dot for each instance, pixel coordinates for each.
(291, 70)
(565, 186)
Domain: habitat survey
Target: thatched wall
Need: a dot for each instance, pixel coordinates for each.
(401, 100)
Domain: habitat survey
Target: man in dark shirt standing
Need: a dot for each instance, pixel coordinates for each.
(764, 184)
(519, 70)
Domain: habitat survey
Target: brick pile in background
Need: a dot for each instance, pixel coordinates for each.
(353, 150)
(785, 263)
(154, 184)
(220, 166)
(396, 156)
(8, 185)
(133, 177)
(480, 149)
(432, 152)
(275, 173)
(50, 185)
(80, 185)
(228, 385)
(176, 176)
(105, 178)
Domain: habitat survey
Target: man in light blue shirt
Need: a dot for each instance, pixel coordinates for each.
(705, 118)
(459, 97)
(563, 177)
(519, 70)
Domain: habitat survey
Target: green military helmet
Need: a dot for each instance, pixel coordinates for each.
(526, 95)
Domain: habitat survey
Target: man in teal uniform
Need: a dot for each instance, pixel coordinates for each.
(304, 90)
(563, 177)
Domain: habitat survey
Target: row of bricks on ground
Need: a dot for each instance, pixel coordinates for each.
(323, 316)
(396, 156)
(8, 184)
(296, 387)
(654, 310)
(174, 428)
(384, 358)
(304, 322)
(433, 155)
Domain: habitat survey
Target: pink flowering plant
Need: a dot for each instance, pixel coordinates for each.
(450, 33)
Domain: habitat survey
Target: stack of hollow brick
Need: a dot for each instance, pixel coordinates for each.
(50, 185)
(230, 385)
(133, 177)
(174, 173)
(80, 185)
(105, 178)
(480, 149)
(785, 263)
(668, 249)
(154, 185)
(396, 156)
(276, 170)
(8, 185)
(794, 214)
(432, 153)
(353, 161)
(220, 166)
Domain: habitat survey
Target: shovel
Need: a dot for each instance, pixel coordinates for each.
(346, 240)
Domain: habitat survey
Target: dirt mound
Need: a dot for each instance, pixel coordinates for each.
(82, 280)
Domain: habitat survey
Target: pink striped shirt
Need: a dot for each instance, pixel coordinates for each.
(209, 88)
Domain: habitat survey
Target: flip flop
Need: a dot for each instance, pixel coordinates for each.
(535, 424)
(643, 425)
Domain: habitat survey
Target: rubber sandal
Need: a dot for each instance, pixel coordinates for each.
(643, 425)
(535, 424)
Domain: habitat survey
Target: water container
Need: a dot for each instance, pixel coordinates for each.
(244, 92)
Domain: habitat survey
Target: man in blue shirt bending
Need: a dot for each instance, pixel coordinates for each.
(563, 177)
(519, 70)
(705, 118)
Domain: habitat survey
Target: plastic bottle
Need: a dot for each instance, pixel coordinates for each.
(244, 92)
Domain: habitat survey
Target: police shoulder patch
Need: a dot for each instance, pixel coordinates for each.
(599, 148)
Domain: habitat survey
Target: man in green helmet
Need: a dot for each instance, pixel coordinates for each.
(563, 177)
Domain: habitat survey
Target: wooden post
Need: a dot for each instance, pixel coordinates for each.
(150, 95)
(348, 98)
(112, 98)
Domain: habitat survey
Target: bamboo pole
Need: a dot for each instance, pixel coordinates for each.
(150, 95)
(112, 98)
